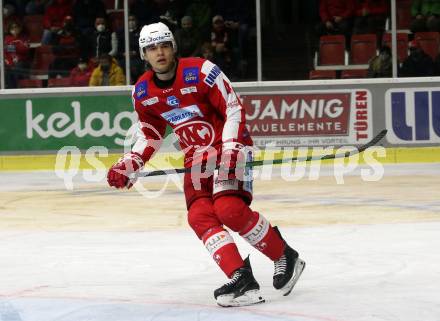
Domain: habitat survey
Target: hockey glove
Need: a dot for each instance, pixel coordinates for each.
(119, 174)
(232, 161)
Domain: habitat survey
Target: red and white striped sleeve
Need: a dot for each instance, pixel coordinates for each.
(149, 132)
(223, 97)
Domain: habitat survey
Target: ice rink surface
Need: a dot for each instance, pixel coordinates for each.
(93, 254)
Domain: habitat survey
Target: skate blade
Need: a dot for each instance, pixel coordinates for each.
(248, 298)
(297, 271)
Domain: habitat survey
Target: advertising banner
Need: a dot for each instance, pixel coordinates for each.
(304, 118)
(413, 115)
(309, 118)
(53, 122)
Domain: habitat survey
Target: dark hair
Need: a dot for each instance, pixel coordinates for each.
(105, 56)
(385, 49)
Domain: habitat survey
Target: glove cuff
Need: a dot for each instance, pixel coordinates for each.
(232, 146)
(134, 157)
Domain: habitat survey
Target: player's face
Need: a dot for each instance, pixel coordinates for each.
(160, 56)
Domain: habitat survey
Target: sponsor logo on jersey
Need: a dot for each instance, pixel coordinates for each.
(413, 115)
(173, 101)
(188, 90)
(141, 90)
(196, 134)
(212, 76)
(150, 101)
(167, 90)
(177, 116)
(191, 75)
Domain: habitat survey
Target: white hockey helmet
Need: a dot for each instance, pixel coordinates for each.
(154, 34)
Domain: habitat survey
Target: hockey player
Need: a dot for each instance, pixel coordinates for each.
(195, 98)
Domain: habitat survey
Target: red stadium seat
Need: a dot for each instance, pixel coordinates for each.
(59, 82)
(363, 48)
(353, 74)
(30, 83)
(33, 25)
(332, 50)
(322, 74)
(403, 12)
(402, 44)
(429, 41)
(42, 59)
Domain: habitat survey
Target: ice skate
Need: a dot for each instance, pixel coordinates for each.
(288, 269)
(241, 290)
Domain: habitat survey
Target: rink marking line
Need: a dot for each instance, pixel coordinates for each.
(22, 293)
(435, 207)
(257, 309)
(164, 159)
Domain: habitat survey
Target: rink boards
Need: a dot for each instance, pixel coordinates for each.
(286, 114)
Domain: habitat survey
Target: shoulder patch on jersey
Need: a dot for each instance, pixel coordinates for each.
(212, 76)
(191, 75)
(141, 90)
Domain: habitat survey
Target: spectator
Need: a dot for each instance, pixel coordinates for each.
(220, 42)
(187, 38)
(201, 13)
(238, 22)
(136, 64)
(166, 11)
(84, 14)
(426, 15)
(102, 40)
(19, 6)
(370, 17)
(16, 55)
(142, 10)
(9, 16)
(80, 75)
(107, 73)
(381, 66)
(54, 17)
(207, 52)
(418, 63)
(65, 49)
(336, 17)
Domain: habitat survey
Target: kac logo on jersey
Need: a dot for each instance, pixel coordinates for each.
(173, 101)
(212, 76)
(191, 75)
(413, 115)
(141, 90)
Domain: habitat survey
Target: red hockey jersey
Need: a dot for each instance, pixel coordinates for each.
(200, 106)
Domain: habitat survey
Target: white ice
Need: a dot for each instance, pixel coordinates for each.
(369, 272)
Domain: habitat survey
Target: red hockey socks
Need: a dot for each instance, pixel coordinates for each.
(261, 235)
(223, 250)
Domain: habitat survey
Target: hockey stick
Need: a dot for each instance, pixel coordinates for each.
(358, 150)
